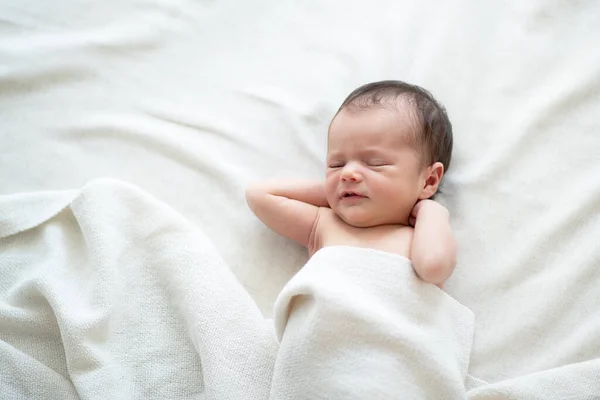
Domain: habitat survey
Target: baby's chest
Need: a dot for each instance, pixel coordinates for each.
(332, 231)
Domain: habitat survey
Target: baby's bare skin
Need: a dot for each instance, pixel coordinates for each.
(330, 230)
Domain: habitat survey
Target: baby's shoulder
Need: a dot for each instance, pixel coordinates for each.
(326, 213)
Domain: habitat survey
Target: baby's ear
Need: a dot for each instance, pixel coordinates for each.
(433, 177)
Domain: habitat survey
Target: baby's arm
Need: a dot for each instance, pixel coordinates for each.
(433, 250)
(288, 207)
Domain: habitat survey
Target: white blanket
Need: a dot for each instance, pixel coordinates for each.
(109, 293)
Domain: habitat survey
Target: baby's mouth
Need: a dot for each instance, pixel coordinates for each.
(351, 195)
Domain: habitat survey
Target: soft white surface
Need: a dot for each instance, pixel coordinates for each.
(192, 100)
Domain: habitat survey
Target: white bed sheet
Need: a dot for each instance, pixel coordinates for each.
(193, 100)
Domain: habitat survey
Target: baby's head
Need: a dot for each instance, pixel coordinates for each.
(389, 145)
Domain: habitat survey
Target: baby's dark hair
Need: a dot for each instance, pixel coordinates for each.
(434, 131)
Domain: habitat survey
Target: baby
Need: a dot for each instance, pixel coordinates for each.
(389, 146)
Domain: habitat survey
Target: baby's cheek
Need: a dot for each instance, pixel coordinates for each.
(385, 188)
(330, 189)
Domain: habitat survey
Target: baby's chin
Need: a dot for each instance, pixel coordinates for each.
(366, 220)
(359, 223)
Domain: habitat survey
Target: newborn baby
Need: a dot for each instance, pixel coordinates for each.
(389, 146)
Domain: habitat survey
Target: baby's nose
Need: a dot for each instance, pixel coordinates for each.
(351, 174)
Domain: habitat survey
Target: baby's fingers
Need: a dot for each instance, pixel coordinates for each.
(416, 208)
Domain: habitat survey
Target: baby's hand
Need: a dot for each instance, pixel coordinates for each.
(430, 206)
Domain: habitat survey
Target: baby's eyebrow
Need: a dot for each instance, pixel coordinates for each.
(373, 152)
(333, 155)
(363, 153)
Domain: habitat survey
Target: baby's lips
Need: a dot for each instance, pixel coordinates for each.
(351, 192)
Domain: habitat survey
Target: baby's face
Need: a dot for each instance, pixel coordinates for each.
(374, 175)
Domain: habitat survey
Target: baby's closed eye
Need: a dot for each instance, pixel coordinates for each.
(377, 163)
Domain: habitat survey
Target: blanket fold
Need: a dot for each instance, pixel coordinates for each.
(117, 296)
(358, 323)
